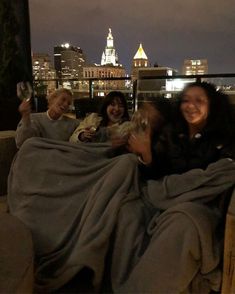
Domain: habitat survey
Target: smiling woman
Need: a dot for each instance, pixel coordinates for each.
(59, 103)
(183, 254)
(195, 109)
(51, 124)
(94, 128)
(203, 131)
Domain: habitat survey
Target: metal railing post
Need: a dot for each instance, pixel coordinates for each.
(91, 92)
(134, 93)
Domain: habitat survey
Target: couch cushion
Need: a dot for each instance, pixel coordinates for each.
(7, 153)
(16, 256)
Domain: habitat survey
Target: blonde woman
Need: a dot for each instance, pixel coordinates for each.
(51, 124)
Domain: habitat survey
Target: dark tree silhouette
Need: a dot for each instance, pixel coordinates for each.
(15, 58)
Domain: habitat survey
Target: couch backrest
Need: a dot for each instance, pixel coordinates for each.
(86, 105)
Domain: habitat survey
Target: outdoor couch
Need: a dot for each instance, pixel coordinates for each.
(16, 249)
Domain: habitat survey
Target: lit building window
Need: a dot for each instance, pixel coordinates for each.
(169, 72)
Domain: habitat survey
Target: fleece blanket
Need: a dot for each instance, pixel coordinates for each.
(184, 246)
(71, 196)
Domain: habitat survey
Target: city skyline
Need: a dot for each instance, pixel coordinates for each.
(169, 33)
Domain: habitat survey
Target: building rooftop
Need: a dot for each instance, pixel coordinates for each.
(140, 54)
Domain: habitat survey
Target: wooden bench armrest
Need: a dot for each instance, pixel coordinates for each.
(228, 283)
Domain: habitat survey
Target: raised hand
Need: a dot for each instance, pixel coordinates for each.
(140, 144)
(24, 90)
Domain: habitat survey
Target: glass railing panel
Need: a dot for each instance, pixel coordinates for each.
(142, 90)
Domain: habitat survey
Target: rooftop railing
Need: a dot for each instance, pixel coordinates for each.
(137, 91)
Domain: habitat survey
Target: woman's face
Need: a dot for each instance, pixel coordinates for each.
(115, 111)
(195, 106)
(60, 105)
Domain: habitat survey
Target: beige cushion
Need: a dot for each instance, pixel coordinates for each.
(7, 153)
(16, 256)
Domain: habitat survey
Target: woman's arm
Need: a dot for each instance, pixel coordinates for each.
(86, 129)
(152, 151)
(195, 185)
(82, 133)
(141, 145)
(26, 128)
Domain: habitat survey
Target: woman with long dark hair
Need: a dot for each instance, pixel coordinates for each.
(186, 171)
(203, 132)
(93, 128)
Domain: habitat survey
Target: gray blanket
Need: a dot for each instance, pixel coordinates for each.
(192, 199)
(71, 197)
(196, 185)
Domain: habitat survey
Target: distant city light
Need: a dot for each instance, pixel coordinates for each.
(179, 84)
(65, 45)
(169, 72)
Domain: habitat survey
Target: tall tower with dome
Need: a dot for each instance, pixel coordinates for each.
(109, 55)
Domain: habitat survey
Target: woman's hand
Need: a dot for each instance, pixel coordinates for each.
(140, 144)
(25, 110)
(87, 135)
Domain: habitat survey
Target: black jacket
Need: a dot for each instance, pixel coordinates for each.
(174, 152)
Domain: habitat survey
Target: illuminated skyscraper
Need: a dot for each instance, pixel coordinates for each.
(42, 67)
(43, 70)
(109, 56)
(69, 61)
(195, 67)
(140, 60)
(109, 68)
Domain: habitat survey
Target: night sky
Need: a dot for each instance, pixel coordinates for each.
(170, 30)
